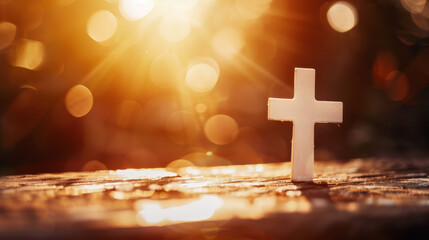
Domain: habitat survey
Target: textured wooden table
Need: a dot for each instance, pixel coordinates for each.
(375, 199)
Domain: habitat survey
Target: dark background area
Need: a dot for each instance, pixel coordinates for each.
(379, 69)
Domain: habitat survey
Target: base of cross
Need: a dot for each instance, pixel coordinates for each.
(363, 198)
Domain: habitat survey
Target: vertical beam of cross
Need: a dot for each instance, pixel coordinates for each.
(304, 111)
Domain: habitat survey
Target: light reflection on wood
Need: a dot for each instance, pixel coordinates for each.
(158, 197)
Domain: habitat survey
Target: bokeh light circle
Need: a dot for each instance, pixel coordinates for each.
(201, 108)
(221, 129)
(7, 34)
(228, 42)
(102, 26)
(94, 165)
(78, 100)
(133, 10)
(202, 77)
(180, 163)
(414, 6)
(342, 16)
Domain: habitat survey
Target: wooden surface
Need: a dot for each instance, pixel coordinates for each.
(363, 198)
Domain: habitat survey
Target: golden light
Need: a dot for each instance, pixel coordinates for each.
(102, 26)
(151, 213)
(204, 158)
(198, 210)
(180, 163)
(133, 10)
(182, 5)
(78, 101)
(202, 77)
(29, 54)
(201, 209)
(94, 165)
(7, 34)
(259, 168)
(178, 121)
(201, 108)
(342, 16)
(206, 60)
(414, 6)
(164, 70)
(142, 173)
(251, 9)
(228, 42)
(193, 171)
(175, 27)
(221, 129)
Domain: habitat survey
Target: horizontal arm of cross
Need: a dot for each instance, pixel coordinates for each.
(328, 112)
(281, 109)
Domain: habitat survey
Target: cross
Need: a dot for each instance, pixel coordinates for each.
(304, 111)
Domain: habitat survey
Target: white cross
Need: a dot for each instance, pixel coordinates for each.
(304, 111)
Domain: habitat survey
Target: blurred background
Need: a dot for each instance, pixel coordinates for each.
(110, 84)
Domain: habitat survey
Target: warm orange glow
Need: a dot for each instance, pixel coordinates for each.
(201, 108)
(181, 127)
(7, 34)
(164, 70)
(198, 210)
(251, 9)
(174, 27)
(180, 163)
(182, 5)
(212, 207)
(221, 129)
(133, 10)
(259, 168)
(29, 54)
(384, 64)
(64, 2)
(209, 57)
(201, 77)
(78, 101)
(94, 165)
(342, 16)
(228, 42)
(192, 171)
(102, 26)
(142, 173)
(127, 113)
(184, 84)
(177, 121)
